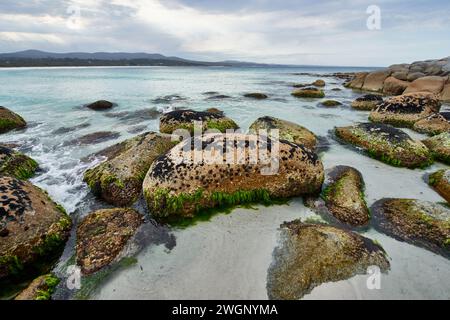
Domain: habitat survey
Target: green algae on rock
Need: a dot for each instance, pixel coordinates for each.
(387, 144)
(40, 288)
(287, 131)
(118, 180)
(312, 254)
(406, 110)
(102, 235)
(33, 228)
(10, 120)
(176, 185)
(434, 124)
(439, 146)
(367, 102)
(184, 119)
(421, 223)
(330, 103)
(440, 181)
(16, 164)
(308, 92)
(344, 196)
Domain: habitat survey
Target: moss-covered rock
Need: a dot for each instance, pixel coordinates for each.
(256, 95)
(312, 254)
(10, 120)
(435, 124)
(287, 131)
(308, 92)
(387, 144)
(16, 164)
(32, 227)
(405, 110)
(225, 170)
(40, 288)
(184, 119)
(439, 146)
(344, 196)
(102, 235)
(330, 103)
(421, 223)
(440, 181)
(118, 180)
(367, 102)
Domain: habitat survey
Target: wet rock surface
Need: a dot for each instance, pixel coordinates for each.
(367, 102)
(439, 146)
(16, 164)
(94, 138)
(100, 105)
(434, 124)
(308, 92)
(10, 120)
(440, 181)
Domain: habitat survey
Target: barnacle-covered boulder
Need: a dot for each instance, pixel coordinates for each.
(434, 124)
(439, 146)
(367, 102)
(16, 164)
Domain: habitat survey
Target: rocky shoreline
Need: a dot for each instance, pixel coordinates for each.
(145, 169)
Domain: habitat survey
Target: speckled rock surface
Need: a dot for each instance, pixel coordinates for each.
(32, 226)
(184, 119)
(16, 164)
(102, 235)
(312, 254)
(405, 110)
(174, 185)
(287, 131)
(344, 196)
(421, 223)
(308, 92)
(10, 120)
(440, 181)
(387, 144)
(434, 124)
(439, 146)
(367, 102)
(118, 180)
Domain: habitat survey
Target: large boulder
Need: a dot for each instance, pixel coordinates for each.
(431, 84)
(118, 180)
(287, 131)
(312, 254)
(434, 124)
(421, 223)
(358, 80)
(394, 86)
(375, 80)
(439, 146)
(40, 288)
(219, 170)
(344, 196)
(100, 105)
(184, 119)
(16, 164)
(445, 94)
(405, 110)
(414, 75)
(10, 120)
(440, 181)
(367, 102)
(387, 144)
(33, 229)
(102, 235)
(308, 92)
(400, 75)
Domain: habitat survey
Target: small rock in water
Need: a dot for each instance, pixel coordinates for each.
(100, 105)
(94, 138)
(308, 92)
(64, 130)
(256, 95)
(367, 102)
(330, 103)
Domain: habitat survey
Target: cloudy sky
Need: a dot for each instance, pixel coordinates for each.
(281, 31)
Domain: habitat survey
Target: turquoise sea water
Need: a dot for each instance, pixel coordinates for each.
(227, 257)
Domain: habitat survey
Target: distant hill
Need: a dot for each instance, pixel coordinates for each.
(36, 58)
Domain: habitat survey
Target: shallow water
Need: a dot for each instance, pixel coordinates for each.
(226, 257)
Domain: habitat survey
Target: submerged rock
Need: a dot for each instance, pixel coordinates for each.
(41, 288)
(308, 92)
(387, 144)
(344, 196)
(439, 146)
(434, 124)
(330, 103)
(421, 223)
(118, 180)
(100, 105)
(94, 138)
(63, 130)
(230, 169)
(312, 254)
(256, 95)
(10, 120)
(440, 181)
(218, 97)
(287, 131)
(405, 110)
(367, 102)
(102, 235)
(16, 164)
(33, 229)
(184, 119)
